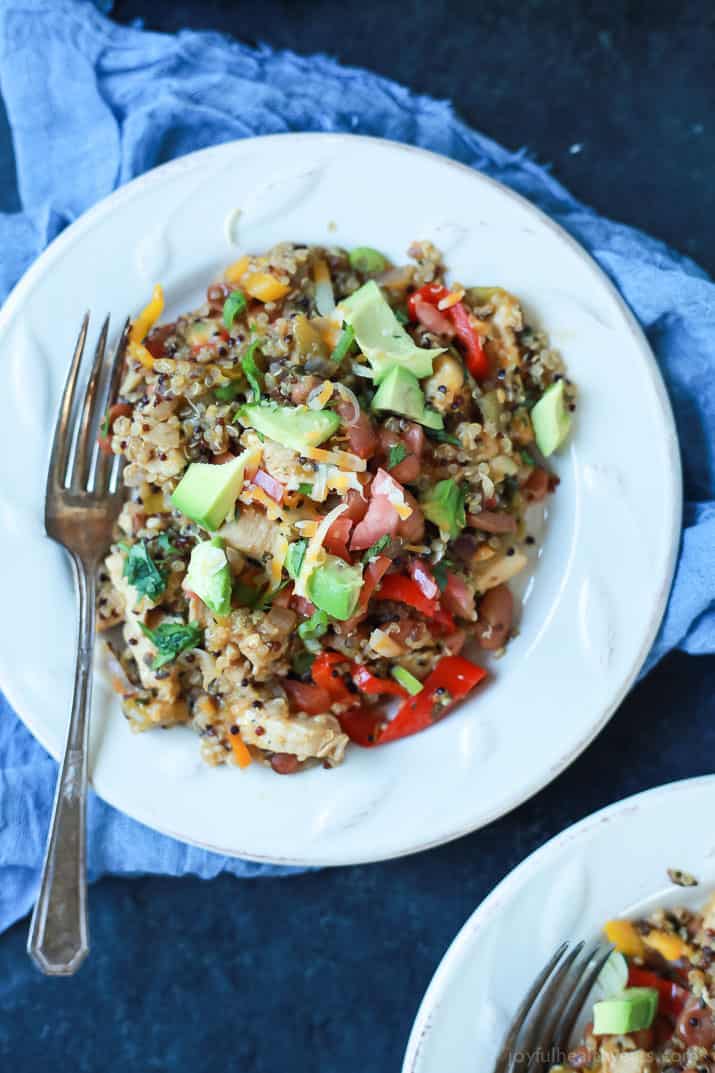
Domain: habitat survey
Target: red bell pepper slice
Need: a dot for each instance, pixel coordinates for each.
(362, 725)
(326, 675)
(476, 359)
(672, 997)
(406, 591)
(336, 538)
(451, 680)
(370, 683)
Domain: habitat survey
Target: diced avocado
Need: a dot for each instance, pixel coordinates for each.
(291, 426)
(366, 259)
(432, 420)
(443, 504)
(207, 493)
(209, 575)
(632, 1010)
(334, 587)
(550, 419)
(381, 337)
(400, 393)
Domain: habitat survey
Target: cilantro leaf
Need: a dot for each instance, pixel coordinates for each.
(252, 372)
(305, 489)
(171, 639)
(163, 544)
(295, 556)
(444, 437)
(396, 454)
(376, 549)
(227, 392)
(302, 662)
(234, 305)
(526, 458)
(439, 572)
(141, 571)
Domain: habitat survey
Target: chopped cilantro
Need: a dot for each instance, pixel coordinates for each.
(439, 572)
(526, 458)
(141, 571)
(227, 392)
(376, 549)
(253, 373)
(171, 639)
(302, 662)
(234, 305)
(313, 627)
(402, 316)
(305, 489)
(444, 437)
(396, 454)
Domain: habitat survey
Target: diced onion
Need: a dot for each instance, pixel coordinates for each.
(362, 370)
(350, 397)
(324, 295)
(320, 395)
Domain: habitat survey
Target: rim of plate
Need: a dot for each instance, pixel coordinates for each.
(572, 837)
(672, 483)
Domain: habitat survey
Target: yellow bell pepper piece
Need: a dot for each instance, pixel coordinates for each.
(235, 271)
(625, 938)
(264, 287)
(142, 325)
(670, 946)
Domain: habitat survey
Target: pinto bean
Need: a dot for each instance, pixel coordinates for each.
(696, 1025)
(492, 521)
(284, 763)
(300, 391)
(537, 486)
(496, 610)
(412, 529)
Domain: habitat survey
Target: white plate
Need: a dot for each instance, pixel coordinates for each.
(592, 607)
(612, 863)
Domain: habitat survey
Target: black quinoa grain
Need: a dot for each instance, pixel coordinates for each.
(260, 731)
(510, 551)
(233, 729)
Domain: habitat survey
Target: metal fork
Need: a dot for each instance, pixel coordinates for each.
(540, 1032)
(82, 502)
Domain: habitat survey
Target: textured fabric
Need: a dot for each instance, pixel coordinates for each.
(110, 103)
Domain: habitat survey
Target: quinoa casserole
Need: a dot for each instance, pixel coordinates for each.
(327, 468)
(657, 1010)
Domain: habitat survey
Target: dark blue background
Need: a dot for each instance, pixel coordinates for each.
(323, 972)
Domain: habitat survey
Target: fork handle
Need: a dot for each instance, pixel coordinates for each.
(58, 941)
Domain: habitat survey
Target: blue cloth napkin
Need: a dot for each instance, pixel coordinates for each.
(113, 102)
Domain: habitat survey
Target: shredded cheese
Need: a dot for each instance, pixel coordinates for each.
(342, 459)
(319, 397)
(314, 553)
(451, 299)
(381, 643)
(280, 550)
(306, 527)
(253, 494)
(339, 481)
(142, 326)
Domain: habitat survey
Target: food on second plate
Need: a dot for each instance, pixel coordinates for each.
(657, 1014)
(328, 468)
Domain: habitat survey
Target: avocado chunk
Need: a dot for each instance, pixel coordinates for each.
(206, 494)
(334, 587)
(550, 419)
(400, 392)
(634, 1009)
(381, 337)
(209, 575)
(443, 504)
(292, 426)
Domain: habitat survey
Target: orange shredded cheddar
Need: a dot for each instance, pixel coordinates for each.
(240, 751)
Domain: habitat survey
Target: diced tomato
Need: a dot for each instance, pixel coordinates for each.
(336, 539)
(362, 725)
(270, 485)
(381, 520)
(357, 506)
(406, 591)
(362, 438)
(451, 680)
(117, 409)
(371, 578)
(457, 598)
(305, 697)
(442, 622)
(431, 293)
(421, 572)
(384, 484)
(326, 673)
